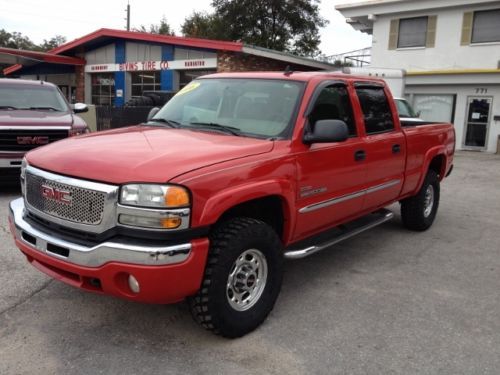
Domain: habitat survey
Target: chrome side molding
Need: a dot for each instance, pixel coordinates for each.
(358, 194)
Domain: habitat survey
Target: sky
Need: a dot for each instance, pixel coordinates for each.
(41, 20)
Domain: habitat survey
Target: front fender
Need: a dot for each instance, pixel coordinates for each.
(232, 196)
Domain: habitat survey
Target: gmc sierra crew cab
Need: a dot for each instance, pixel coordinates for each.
(32, 113)
(236, 173)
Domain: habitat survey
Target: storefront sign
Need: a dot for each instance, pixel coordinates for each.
(98, 68)
(133, 66)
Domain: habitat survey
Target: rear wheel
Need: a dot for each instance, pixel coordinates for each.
(418, 212)
(242, 278)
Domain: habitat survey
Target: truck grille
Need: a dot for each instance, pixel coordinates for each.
(27, 139)
(86, 206)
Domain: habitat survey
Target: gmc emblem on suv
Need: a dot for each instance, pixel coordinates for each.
(37, 140)
(61, 196)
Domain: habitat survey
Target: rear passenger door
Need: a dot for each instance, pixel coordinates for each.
(384, 145)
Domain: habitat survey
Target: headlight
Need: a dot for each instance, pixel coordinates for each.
(156, 196)
(24, 165)
(78, 131)
(167, 220)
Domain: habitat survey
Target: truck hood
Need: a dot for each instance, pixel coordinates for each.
(142, 153)
(35, 118)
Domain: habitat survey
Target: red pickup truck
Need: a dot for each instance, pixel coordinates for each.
(234, 174)
(32, 113)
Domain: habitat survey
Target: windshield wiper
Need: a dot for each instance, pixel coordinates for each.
(228, 129)
(45, 108)
(171, 123)
(7, 107)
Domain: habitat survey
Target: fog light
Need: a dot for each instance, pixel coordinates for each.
(133, 284)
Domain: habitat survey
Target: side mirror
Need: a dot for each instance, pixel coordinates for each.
(327, 131)
(80, 108)
(152, 113)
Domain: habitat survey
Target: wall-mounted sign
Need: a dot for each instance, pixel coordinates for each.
(98, 68)
(133, 66)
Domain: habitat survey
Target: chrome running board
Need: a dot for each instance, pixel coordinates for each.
(308, 247)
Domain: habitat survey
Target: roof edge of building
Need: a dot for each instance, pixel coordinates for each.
(452, 71)
(136, 35)
(366, 3)
(283, 56)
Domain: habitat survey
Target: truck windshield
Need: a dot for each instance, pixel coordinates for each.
(261, 108)
(405, 109)
(40, 98)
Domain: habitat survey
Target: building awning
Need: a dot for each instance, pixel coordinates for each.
(20, 58)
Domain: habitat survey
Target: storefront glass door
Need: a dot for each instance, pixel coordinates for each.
(477, 121)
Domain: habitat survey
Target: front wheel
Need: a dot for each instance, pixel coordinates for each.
(418, 212)
(242, 278)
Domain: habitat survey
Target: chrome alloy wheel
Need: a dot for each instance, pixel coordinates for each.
(247, 280)
(428, 201)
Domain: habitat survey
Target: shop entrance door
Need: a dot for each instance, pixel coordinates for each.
(477, 122)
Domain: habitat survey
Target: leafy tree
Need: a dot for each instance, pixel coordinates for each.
(342, 64)
(15, 40)
(162, 28)
(52, 43)
(283, 25)
(204, 25)
(19, 41)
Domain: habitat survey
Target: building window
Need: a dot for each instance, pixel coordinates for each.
(486, 27)
(145, 81)
(103, 89)
(439, 108)
(412, 32)
(376, 110)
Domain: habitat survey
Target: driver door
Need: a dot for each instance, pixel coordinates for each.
(330, 175)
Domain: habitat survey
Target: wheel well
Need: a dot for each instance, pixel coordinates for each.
(437, 165)
(268, 209)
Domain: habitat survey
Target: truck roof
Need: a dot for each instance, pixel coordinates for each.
(295, 76)
(25, 82)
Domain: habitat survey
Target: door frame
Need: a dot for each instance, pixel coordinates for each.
(466, 122)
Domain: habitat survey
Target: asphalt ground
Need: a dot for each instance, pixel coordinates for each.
(388, 301)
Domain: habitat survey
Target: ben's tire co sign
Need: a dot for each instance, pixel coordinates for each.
(153, 65)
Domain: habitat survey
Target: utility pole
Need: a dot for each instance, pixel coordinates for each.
(128, 16)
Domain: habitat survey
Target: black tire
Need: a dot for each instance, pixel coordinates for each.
(211, 307)
(413, 209)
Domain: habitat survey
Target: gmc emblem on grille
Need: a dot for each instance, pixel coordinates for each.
(61, 196)
(37, 140)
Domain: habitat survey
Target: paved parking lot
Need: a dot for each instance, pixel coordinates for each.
(387, 301)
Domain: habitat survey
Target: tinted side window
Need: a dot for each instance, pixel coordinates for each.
(333, 104)
(376, 110)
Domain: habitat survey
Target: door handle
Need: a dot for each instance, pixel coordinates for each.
(360, 155)
(396, 149)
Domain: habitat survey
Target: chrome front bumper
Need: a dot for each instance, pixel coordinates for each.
(97, 255)
(10, 163)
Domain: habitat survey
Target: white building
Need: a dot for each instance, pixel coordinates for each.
(451, 52)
